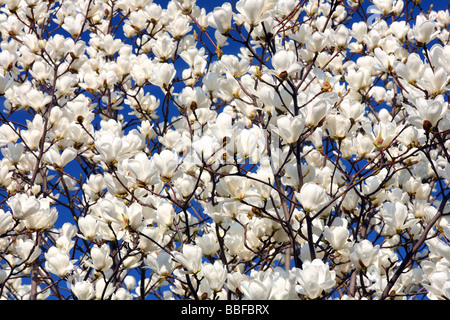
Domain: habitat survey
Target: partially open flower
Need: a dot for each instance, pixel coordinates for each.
(312, 197)
(424, 30)
(285, 64)
(220, 18)
(314, 279)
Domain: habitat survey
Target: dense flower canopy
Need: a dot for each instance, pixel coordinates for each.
(261, 149)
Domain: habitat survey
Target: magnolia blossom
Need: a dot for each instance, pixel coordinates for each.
(208, 243)
(161, 263)
(190, 258)
(58, 262)
(220, 18)
(162, 74)
(23, 206)
(28, 251)
(314, 278)
(6, 222)
(215, 274)
(431, 111)
(84, 290)
(290, 129)
(13, 152)
(312, 197)
(44, 218)
(424, 30)
(166, 162)
(251, 11)
(101, 259)
(256, 289)
(364, 253)
(285, 63)
(337, 236)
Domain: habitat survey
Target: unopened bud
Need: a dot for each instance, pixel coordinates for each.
(427, 126)
(283, 75)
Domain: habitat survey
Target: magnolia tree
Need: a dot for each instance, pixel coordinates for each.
(262, 149)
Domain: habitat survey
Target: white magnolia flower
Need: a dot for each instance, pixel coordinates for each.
(215, 274)
(424, 30)
(161, 262)
(364, 253)
(290, 128)
(220, 18)
(83, 290)
(312, 197)
(162, 74)
(166, 162)
(23, 206)
(58, 262)
(255, 289)
(6, 222)
(396, 217)
(101, 259)
(190, 258)
(251, 11)
(285, 63)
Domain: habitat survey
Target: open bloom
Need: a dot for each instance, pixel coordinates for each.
(23, 205)
(164, 214)
(59, 160)
(43, 218)
(385, 61)
(161, 262)
(162, 74)
(88, 227)
(251, 11)
(101, 259)
(433, 81)
(190, 259)
(164, 48)
(337, 126)
(220, 18)
(316, 42)
(395, 216)
(314, 278)
(6, 222)
(27, 250)
(312, 196)
(83, 290)
(58, 262)
(216, 274)
(142, 168)
(285, 63)
(208, 243)
(166, 162)
(337, 236)
(179, 27)
(109, 147)
(13, 152)
(314, 113)
(290, 128)
(431, 110)
(256, 289)
(364, 253)
(424, 30)
(412, 69)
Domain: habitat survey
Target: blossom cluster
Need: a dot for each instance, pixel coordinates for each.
(265, 149)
